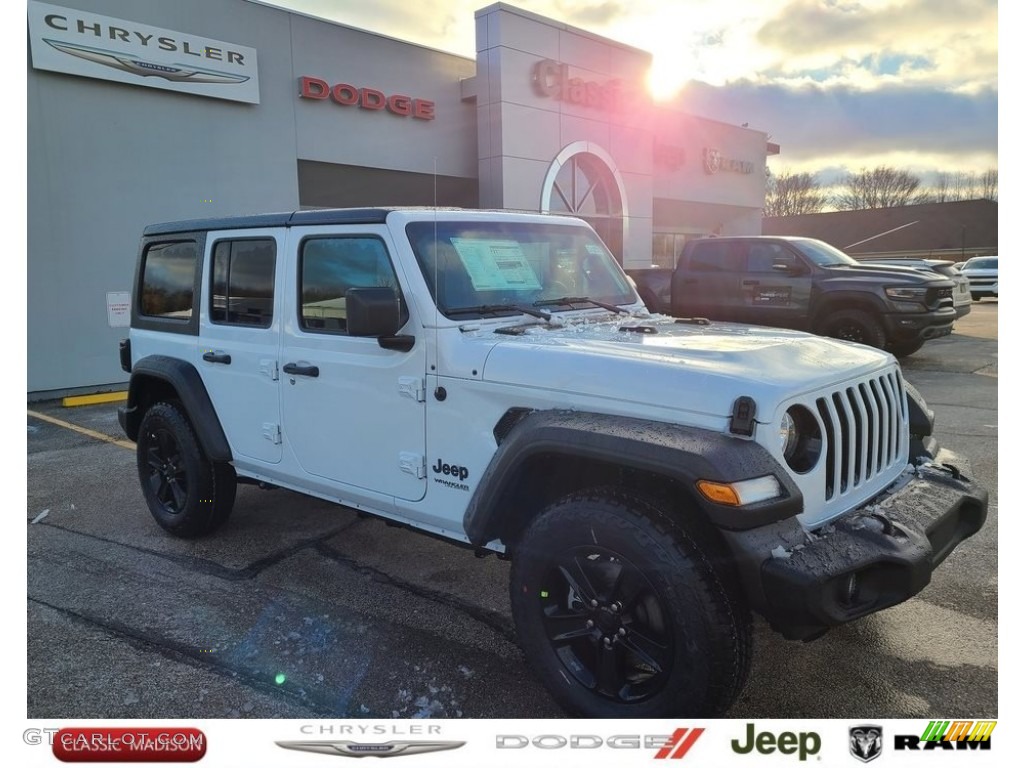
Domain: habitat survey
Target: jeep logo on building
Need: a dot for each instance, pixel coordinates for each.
(787, 743)
(454, 470)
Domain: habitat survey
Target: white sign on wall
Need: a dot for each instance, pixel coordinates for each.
(119, 309)
(90, 45)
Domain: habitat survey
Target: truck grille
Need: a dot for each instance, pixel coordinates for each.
(864, 431)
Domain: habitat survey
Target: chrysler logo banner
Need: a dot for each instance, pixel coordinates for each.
(369, 749)
(90, 45)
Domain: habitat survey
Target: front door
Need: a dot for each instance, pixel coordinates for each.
(775, 285)
(353, 412)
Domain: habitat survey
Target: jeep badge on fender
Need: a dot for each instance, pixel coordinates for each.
(653, 480)
(451, 469)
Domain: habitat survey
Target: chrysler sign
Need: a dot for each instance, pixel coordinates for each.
(90, 45)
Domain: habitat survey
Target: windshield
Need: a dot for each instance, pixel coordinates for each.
(823, 254)
(488, 265)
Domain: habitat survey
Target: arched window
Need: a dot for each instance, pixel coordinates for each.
(581, 183)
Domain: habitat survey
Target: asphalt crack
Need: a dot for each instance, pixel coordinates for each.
(493, 620)
(184, 654)
(209, 567)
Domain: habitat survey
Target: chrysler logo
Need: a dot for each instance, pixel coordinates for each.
(356, 749)
(143, 68)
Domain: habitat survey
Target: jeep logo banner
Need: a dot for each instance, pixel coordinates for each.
(90, 45)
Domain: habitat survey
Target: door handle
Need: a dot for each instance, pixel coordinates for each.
(689, 280)
(294, 369)
(751, 282)
(215, 357)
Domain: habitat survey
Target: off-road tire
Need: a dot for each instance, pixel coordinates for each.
(853, 325)
(187, 494)
(687, 609)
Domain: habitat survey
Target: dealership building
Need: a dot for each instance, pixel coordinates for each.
(142, 111)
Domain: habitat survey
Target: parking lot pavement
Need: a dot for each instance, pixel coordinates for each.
(299, 609)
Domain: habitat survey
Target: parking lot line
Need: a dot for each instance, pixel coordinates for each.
(81, 430)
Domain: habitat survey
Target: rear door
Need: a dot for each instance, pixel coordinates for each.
(707, 281)
(240, 336)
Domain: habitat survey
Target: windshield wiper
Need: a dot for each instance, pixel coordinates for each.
(486, 309)
(581, 300)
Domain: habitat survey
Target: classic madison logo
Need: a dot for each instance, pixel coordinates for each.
(866, 742)
(356, 749)
(143, 68)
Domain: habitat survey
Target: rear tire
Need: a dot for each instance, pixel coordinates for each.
(668, 633)
(187, 494)
(854, 325)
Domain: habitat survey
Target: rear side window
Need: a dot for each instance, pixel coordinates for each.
(712, 256)
(168, 278)
(242, 282)
(330, 266)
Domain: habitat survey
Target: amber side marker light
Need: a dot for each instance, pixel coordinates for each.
(740, 493)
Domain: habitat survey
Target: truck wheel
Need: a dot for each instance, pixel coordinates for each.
(187, 494)
(623, 612)
(906, 348)
(854, 325)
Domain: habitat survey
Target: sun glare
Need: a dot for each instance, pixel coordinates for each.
(667, 76)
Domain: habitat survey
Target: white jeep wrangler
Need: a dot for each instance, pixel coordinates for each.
(493, 378)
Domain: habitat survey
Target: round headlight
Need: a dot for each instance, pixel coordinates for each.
(802, 445)
(787, 434)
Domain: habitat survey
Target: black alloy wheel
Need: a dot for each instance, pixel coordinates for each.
(607, 624)
(168, 480)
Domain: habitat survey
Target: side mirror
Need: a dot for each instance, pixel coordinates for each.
(377, 313)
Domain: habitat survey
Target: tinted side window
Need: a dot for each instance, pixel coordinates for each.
(762, 257)
(242, 282)
(712, 256)
(328, 267)
(168, 277)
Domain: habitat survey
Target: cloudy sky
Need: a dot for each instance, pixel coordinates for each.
(839, 84)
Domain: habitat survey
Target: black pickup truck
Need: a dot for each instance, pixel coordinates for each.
(805, 284)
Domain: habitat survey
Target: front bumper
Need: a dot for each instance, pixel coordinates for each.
(907, 327)
(871, 558)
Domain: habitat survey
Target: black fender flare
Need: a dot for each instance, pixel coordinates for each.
(188, 386)
(683, 454)
(828, 301)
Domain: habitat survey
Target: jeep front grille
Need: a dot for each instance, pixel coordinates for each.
(864, 431)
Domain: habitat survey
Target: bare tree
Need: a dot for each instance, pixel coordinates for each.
(790, 194)
(881, 187)
(988, 185)
(954, 186)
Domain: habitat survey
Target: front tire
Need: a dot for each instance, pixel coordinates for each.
(187, 494)
(623, 612)
(854, 325)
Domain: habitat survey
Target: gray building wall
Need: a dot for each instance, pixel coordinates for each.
(105, 159)
(520, 133)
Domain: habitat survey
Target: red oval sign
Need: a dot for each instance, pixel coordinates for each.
(124, 745)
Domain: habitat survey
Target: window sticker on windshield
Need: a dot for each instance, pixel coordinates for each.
(594, 249)
(496, 265)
